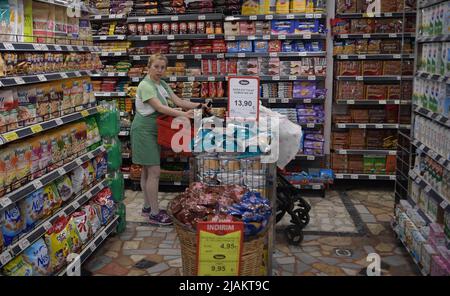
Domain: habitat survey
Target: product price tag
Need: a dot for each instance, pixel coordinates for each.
(78, 161)
(77, 73)
(302, 54)
(310, 157)
(251, 37)
(392, 177)
(444, 204)
(1, 83)
(317, 15)
(97, 17)
(23, 244)
(44, 47)
(276, 78)
(198, 56)
(343, 57)
(341, 125)
(231, 38)
(110, 74)
(220, 55)
(219, 248)
(307, 36)
(241, 55)
(141, 20)
(388, 14)
(427, 188)
(266, 37)
(392, 35)
(351, 102)
(282, 37)
(253, 17)
(269, 17)
(359, 78)
(117, 53)
(180, 56)
(173, 78)
(397, 56)
(432, 154)
(59, 121)
(316, 187)
(339, 176)
(174, 18)
(307, 101)
(284, 100)
(291, 16)
(191, 78)
(11, 136)
(42, 78)
(343, 36)
(76, 204)
(137, 58)
(310, 125)
(170, 37)
(121, 37)
(104, 235)
(211, 36)
(8, 46)
(88, 194)
(243, 97)
(366, 36)
(202, 17)
(311, 77)
(90, 155)
(19, 80)
(382, 102)
(103, 37)
(361, 57)
(177, 183)
(372, 177)
(36, 128)
(69, 47)
(438, 118)
(441, 161)
(272, 100)
(292, 77)
(421, 147)
(392, 152)
(38, 184)
(47, 225)
(378, 126)
(144, 38)
(62, 171)
(343, 152)
(4, 202)
(63, 75)
(361, 126)
(354, 177)
(92, 248)
(211, 78)
(5, 257)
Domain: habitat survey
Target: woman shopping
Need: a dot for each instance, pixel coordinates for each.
(151, 101)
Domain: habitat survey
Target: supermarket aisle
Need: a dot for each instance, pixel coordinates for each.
(344, 228)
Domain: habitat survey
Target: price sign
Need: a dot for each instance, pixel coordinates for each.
(276, 78)
(219, 248)
(19, 80)
(361, 57)
(310, 157)
(59, 121)
(4, 202)
(110, 74)
(302, 54)
(62, 171)
(211, 78)
(47, 225)
(444, 204)
(428, 188)
(366, 35)
(361, 126)
(220, 55)
(378, 126)
(266, 37)
(284, 100)
(78, 162)
(272, 100)
(291, 16)
(310, 125)
(292, 77)
(144, 38)
(69, 47)
(392, 177)
(316, 187)
(42, 78)
(23, 244)
(180, 56)
(198, 56)
(191, 78)
(392, 35)
(339, 176)
(307, 36)
(397, 56)
(343, 57)
(36, 128)
(170, 37)
(92, 248)
(372, 177)
(341, 125)
(282, 37)
(211, 36)
(11, 136)
(311, 77)
(90, 155)
(121, 37)
(359, 78)
(231, 38)
(63, 75)
(8, 46)
(102, 37)
(351, 102)
(38, 184)
(44, 47)
(141, 20)
(104, 235)
(241, 55)
(307, 101)
(5, 257)
(177, 183)
(269, 17)
(77, 73)
(392, 152)
(174, 18)
(243, 97)
(253, 17)
(344, 36)
(344, 152)
(354, 177)
(202, 17)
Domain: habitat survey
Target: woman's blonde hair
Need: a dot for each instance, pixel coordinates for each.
(157, 56)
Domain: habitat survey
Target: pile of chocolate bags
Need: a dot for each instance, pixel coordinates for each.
(222, 203)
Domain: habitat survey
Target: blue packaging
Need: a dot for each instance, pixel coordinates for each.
(245, 46)
(282, 27)
(301, 27)
(261, 46)
(233, 46)
(37, 255)
(289, 46)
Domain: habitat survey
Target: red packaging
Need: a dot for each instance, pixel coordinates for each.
(232, 66)
(212, 89)
(183, 28)
(214, 68)
(148, 29)
(156, 28)
(204, 90)
(222, 66)
(274, 45)
(220, 90)
(206, 69)
(165, 28)
(174, 28)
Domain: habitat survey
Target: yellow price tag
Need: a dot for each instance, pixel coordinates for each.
(36, 128)
(219, 248)
(11, 136)
(85, 113)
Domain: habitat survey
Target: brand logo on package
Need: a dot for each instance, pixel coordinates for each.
(73, 8)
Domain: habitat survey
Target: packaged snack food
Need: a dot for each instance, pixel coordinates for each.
(32, 208)
(93, 219)
(23, 159)
(100, 166)
(52, 201)
(18, 267)
(89, 173)
(78, 179)
(104, 205)
(372, 68)
(37, 256)
(13, 224)
(83, 227)
(345, 6)
(57, 242)
(73, 239)
(64, 187)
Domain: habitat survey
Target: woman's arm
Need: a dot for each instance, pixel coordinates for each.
(183, 103)
(156, 104)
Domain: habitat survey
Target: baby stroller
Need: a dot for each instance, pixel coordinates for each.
(289, 201)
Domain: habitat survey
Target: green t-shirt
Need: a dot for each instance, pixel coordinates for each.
(147, 90)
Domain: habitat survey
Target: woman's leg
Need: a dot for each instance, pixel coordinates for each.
(144, 177)
(152, 187)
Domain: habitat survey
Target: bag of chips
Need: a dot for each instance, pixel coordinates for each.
(57, 242)
(33, 208)
(37, 256)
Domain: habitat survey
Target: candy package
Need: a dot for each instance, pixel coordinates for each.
(37, 256)
(13, 224)
(33, 208)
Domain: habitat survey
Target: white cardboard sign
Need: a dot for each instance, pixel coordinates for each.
(243, 97)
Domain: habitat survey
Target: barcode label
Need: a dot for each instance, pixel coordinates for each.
(361, 126)
(442, 161)
(366, 35)
(292, 77)
(63, 75)
(89, 194)
(23, 244)
(310, 157)
(137, 58)
(76, 204)
(392, 178)
(141, 20)
(382, 102)
(78, 161)
(392, 152)
(122, 37)
(5, 257)
(4, 202)
(311, 77)
(117, 54)
(421, 147)
(351, 102)
(202, 17)
(110, 74)
(38, 184)
(191, 78)
(97, 17)
(211, 78)
(273, 54)
(266, 37)
(317, 15)
(282, 37)
(231, 38)
(180, 56)
(44, 47)
(8, 46)
(302, 54)
(307, 101)
(393, 35)
(378, 126)
(211, 36)
(177, 183)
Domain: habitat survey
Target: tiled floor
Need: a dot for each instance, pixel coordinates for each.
(344, 228)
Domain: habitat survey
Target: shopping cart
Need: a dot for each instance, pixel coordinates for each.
(290, 201)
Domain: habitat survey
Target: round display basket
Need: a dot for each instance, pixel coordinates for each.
(252, 250)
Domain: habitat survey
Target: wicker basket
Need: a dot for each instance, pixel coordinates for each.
(251, 259)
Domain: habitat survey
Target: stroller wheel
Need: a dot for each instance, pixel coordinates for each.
(293, 234)
(300, 218)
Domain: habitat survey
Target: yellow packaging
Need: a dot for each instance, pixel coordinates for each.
(8, 156)
(250, 7)
(298, 6)
(18, 267)
(309, 6)
(282, 6)
(57, 243)
(52, 201)
(23, 159)
(264, 6)
(73, 239)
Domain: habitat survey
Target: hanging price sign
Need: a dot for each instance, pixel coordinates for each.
(219, 248)
(243, 97)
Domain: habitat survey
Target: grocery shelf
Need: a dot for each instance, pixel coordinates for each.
(439, 198)
(434, 77)
(373, 102)
(194, 78)
(19, 46)
(110, 74)
(188, 56)
(427, 3)
(365, 152)
(174, 37)
(112, 17)
(275, 54)
(290, 78)
(11, 136)
(276, 37)
(91, 246)
(438, 38)
(311, 125)
(424, 215)
(375, 36)
(374, 15)
(109, 37)
(422, 271)
(373, 125)
(174, 18)
(318, 186)
(36, 78)
(374, 56)
(442, 160)
(436, 117)
(111, 94)
(114, 54)
(46, 179)
(266, 17)
(373, 78)
(365, 177)
(309, 157)
(32, 236)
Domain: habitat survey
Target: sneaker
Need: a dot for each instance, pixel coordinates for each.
(146, 211)
(162, 218)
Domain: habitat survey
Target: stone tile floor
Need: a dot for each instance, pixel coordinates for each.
(344, 228)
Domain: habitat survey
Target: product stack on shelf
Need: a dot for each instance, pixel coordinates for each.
(53, 163)
(373, 73)
(422, 219)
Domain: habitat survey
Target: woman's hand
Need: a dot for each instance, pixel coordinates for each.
(189, 113)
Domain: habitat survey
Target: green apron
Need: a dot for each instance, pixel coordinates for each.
(144, 131)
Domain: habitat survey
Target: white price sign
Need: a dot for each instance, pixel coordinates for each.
(38, 184)
(57, 48)
(293, 77)
(291, 16)
(47, 225)
(62, 171)
(307, 101)
(220, 55)
(141, 20)
(372, 177)
(444, 204)
(351, 102)
(23, 244)
(202, 17)
(241, 55)
(397, 56)
(59, 121)
(361, 57)
(63, 75)
(92, 248)
(8, 46)
(5, 257)
(359, 78)
(310, 125)
(144, 38)
(69, 47)
(102, 37)
(276, 78)
(378, 126)
(104, 235)
(191, 78)
(253, 17)
(307, 36)
(211, 36)
(269, 17)
(343, 152)
(366, 35)
(392, 152)
(19, 80)
(243, 97)
(170, 37)
(42, 78)
(78, 162)
(361, 126)
(311, 77)
(310, 157)
(174, 18)
(180, 56)
(4, 202)
(428, 188)
(198, 56)
(266, 37)
(282, 37)
(354, 177)
(393, 35)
